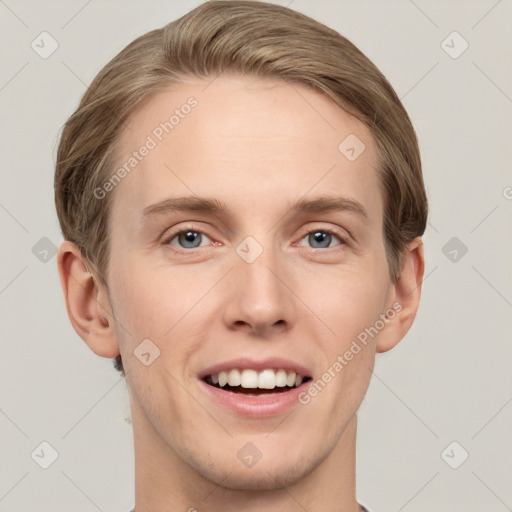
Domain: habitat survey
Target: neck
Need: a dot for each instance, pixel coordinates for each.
(164, 481)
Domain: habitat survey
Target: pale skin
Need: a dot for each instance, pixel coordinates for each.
(257, 146)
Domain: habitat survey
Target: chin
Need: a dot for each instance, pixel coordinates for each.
(261, 477)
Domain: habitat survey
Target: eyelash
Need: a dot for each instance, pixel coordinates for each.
(332, 232)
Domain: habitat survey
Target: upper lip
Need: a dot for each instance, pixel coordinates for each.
(257, 364)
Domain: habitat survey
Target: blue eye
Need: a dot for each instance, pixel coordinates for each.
(188, 239)
(322, 237)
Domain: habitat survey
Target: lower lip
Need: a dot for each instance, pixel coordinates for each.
(262, 406)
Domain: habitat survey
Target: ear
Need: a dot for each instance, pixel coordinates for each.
(406, 294)
(87, 302)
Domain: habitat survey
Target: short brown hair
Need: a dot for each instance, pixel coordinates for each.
(250, 38)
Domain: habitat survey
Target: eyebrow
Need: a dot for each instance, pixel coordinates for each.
(323, 204)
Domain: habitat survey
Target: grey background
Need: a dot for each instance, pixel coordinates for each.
(448, 380)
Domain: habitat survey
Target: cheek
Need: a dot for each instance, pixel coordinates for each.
(350, 306)
(153, 300)
(354, 309)
(166, 306)
(347, 300)
(158, 305)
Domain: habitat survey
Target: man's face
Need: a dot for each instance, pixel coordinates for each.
(301, 288)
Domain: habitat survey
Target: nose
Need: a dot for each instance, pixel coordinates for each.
(259, 301)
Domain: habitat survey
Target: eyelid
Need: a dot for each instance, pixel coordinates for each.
(341, 235)
(183, 229)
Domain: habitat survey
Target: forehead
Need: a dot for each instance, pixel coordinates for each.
(247, 141)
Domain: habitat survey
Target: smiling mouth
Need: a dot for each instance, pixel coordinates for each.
(253, 383)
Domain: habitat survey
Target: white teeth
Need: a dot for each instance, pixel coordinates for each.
(234, 378)
(281, 378)
(265, 379)
(249, 379)
(223, 378)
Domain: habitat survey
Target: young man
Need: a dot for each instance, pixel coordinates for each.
(242, 201)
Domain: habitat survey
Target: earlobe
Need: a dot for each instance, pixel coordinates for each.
(87, 302)
(407, 293)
